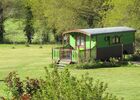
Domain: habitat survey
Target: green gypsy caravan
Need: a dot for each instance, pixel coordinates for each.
(95, 44)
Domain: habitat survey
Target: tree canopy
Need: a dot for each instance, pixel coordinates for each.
(54, 17)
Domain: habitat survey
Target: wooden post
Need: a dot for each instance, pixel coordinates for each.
(96, 48)
(78, 56)
(63, 48)
(134, 47)
(85, 45)
(59, 54)
(90, 46)
(62, 40)
(52, 55)
(134, 43)
(71, 54)
(122, 52)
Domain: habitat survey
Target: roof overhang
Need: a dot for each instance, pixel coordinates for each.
(76, 31)
(97, 31)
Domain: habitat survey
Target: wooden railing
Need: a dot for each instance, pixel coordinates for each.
(66, 54)
(62, 53)
(73, 55)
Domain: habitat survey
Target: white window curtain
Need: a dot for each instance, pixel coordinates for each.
(78, 41)
(82, 41)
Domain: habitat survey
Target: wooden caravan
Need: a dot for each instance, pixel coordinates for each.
(95, 44)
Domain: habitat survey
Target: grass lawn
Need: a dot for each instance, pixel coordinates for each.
(30, 61)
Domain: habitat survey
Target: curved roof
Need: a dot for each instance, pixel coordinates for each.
(107, 30)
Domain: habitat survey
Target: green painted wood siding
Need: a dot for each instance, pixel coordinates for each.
(128, 38)
(93, 42)
(93, 53)
(125, 38)
(72, 40)
(74, 55)
(56, 54)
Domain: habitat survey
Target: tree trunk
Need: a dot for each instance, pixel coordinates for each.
(29, 40)
(54, 33)
(90, 21)
(1, 24)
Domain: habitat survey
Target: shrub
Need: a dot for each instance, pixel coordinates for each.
(134, 57)
(15, 85)
(99, 64)
(59, 86)
(20, 89)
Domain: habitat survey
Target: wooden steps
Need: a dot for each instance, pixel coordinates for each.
(64, 62)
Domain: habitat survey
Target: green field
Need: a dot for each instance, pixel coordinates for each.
(30, 61)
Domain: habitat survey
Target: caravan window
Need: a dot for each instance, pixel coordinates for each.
(116, 40)
(80, 41)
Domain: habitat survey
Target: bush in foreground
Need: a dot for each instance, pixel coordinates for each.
(57, 86)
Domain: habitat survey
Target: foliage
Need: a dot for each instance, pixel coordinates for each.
(65, 15)
(7, 10)
(134, 57)
(99, 64)
(18, 88)
(134, 10)
(14, 31)
(58, 85)
(134, 17)
(29, 29)
(15, 85)
(54, 17)
(91, 11)
(1, 22)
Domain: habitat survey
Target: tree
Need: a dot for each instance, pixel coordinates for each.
(29, 29)
(65, 15)
(40, 19)
(1, 23)
(120, 14)
(134, 11)
(93, 12)
(7, 10)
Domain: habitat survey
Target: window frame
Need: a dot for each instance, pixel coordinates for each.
(116, 40)
(81, 40)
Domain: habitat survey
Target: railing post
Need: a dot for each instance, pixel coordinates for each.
(52, 55)
(71, 54)
(90, 47)
(78, 56)
(60, 54)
